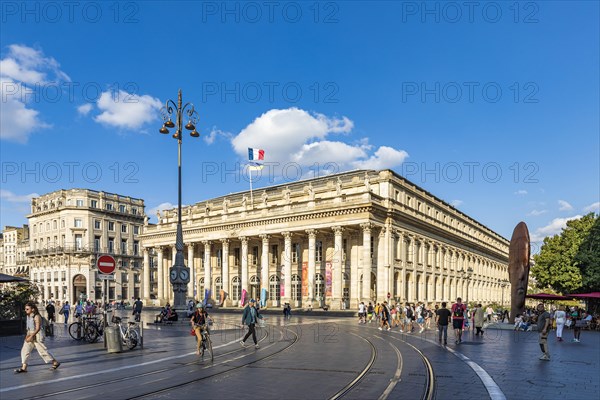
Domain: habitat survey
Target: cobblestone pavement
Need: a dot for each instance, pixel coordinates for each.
(309, 358)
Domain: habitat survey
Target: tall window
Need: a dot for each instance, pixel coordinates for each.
(274, 253)
(96, 243)
(136, 230)
(236, 289)
(111, 226)
(218, 286)
(136, 247)
(111, 245)
(296, 287)
(318, 251)
(97, 224)
(79, 203)
(109, 206)
(78, 242)
(134, 210)
(124, 246)
(94, 203)
(78, 223)
(295, 252)
(122, 208)
(319, 287)
(255, 255)
(219, 257)
(274, 288)
(123, 228)
(236, 256)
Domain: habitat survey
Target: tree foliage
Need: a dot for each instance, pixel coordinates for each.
(588, 259)
(564, 262)
(13, 298)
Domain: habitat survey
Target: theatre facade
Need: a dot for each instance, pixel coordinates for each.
(331, 241)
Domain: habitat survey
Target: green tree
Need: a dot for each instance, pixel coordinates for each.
(588, 259)
(555, 266)
(14, 297)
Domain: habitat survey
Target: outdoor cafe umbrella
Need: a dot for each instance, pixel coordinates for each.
(593, 295)
(547, 296)
(9, 278)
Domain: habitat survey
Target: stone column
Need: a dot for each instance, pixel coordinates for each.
(312, 235)
(160, 276)
(354, 271)
(415, 267)
(207, 268)
(192, 267)
(244, 255)
(404, 260)
(287, 268)
(146, 277)
(69, 285)
(264, 265)
(338, 276)
(366, 263)
(381, 270)
(225, 269)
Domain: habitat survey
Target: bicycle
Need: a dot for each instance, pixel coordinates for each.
(82, 329)
(129, 336)
(207, 343)
(96, 328)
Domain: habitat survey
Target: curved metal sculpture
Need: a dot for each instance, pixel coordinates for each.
(518, 269)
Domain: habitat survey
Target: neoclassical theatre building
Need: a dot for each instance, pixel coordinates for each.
(335, 241)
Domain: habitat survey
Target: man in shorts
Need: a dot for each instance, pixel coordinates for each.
(544, 323)
(458, 317)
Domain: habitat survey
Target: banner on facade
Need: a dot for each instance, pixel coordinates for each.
(282, 284)
(328, 275)
(304, 278)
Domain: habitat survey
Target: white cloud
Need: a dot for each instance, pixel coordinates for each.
(212, 136)
(521, 192)
(535, 213)
(162, 207)
(456, 203)
(22, 70)
(295, 135)
(9, 196)
(553, 228)
(564, 206)
(594, 207)
(124, 110)
(84, 109)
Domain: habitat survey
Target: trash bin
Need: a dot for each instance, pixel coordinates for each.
(113, 339)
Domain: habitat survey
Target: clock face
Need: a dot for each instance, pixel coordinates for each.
(173, 274)
(184, 275)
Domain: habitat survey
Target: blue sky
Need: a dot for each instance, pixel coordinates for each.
(493, 109)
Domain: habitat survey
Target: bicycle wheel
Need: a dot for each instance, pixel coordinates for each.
(76, 331)
(132, 339)
(209, 347)
(91, 333)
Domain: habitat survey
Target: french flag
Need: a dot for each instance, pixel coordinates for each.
(256, 155)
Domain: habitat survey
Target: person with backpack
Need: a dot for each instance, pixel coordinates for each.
(35, 339)
(410, 317)
(370, 312)
(458, 317)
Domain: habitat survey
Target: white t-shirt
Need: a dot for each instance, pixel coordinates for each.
(560, 317)
(362, 308)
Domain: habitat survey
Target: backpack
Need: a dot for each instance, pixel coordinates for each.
(458, 311)
(409, 312)
(370, 309)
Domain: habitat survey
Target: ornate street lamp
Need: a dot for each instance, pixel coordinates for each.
(503, 283)
(179, 274)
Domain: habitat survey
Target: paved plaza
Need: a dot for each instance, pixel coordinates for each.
(308, 357)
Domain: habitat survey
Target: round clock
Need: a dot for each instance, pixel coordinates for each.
(184, 275)
(173, 274)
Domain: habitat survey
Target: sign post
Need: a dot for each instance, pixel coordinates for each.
(106, 265)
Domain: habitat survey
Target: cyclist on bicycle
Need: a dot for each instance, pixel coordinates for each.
(199, 321)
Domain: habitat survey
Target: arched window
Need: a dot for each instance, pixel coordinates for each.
(296, 287)
(201, 288)
(274, 288)
(236, 289)
(218, 286)
(319, 286)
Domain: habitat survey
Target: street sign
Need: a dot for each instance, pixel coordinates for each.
(106, 264)
(107, 277)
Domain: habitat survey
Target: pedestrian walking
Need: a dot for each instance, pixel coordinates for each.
(137, 309)
(560, 316)
(250, 317)
(35, 339)
(458, 318)
(489, 311)
(443, 316)
(362, 313)
(543, 325)
(51, 311)
(65, 310)
(478, 319)
(385, 316)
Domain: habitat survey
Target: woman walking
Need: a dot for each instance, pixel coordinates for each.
(35, 339)
(561, 317)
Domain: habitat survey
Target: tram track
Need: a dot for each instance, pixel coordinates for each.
(149, 373)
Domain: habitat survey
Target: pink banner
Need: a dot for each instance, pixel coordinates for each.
(328, 276)
(282, 284)
(304, 278)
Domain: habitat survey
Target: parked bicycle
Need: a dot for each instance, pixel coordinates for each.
(129, 335)
(82, 329)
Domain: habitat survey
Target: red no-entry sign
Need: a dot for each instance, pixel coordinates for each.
(106, 264)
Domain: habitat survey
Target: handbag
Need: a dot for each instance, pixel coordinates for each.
(193, 332)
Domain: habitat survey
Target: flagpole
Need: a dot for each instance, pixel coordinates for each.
(251, 195)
